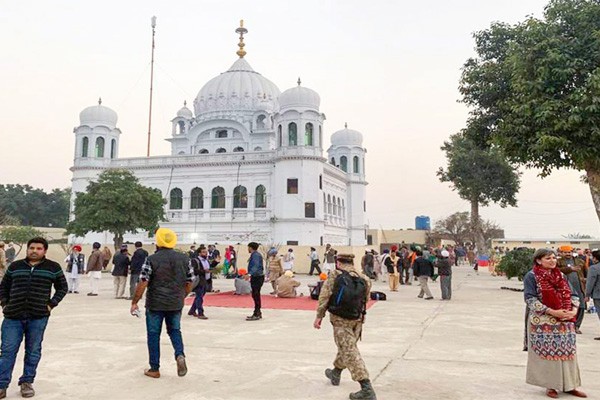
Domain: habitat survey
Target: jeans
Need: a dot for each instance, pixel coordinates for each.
(256, 283)
(597, 305)
(200, 291)
(13, 331)
(446, 286)
(154, 321)
(134, 279)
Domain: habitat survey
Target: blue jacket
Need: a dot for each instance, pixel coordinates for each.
(255, 264)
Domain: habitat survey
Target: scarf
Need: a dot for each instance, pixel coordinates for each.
(553, 287)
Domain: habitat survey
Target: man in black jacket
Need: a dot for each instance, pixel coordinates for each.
(423, 271)
(137, 261)
(120, 270)
(25, 296)
(168, 276)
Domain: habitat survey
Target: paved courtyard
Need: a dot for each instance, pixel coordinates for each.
(469, 348)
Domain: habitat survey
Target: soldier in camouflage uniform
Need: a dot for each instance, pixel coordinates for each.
(346, 333)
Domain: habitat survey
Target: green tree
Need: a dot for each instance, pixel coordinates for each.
(516, 263)
(116, 203)
(19, 235)
(31, 206)
(481, 175)
(535, 89)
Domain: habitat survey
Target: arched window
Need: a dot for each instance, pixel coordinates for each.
(320, 136)
(292, 134)
(100, 147)
(258, 148)
(240, 197)
(176, 199)
(238, 149)
(329, 208)
(308, 134)
(203, 151)
(181, 153)
(260, 197)
(335, 206)
(324, 203)
(355, 164)
(332, 160)
(113, 148)
(221, 150)
(344, 163)
(221, 134)
(197, 198)
(279, 136)
(85, 144)
(218, 198)
(181, 127)
(260, 122)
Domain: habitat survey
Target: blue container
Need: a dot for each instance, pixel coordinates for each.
(423, 223)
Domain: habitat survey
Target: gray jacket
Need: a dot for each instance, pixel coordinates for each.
(592, 287)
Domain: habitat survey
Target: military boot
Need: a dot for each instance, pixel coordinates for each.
(366, 392)
(334, 375)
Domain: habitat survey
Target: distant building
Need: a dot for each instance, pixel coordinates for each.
(543, 243)
(247, 164)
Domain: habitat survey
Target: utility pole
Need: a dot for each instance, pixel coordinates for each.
(153, 24)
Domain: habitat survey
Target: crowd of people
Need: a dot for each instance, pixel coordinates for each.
(556, 289)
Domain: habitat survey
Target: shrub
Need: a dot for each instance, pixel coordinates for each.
(516, 263)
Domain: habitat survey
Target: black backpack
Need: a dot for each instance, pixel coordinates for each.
(348, 299)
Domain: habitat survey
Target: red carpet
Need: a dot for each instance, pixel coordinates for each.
(229, 300)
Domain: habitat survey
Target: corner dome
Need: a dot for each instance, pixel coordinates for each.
(347, 137)
(300, 96)
(98, 115)
(185, 112)
(240, 88)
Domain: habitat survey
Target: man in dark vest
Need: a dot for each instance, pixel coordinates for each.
(168, 276)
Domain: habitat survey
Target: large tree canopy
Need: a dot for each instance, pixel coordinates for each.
(480, 175)
(26, 205)
(117, 203)
(535, 89)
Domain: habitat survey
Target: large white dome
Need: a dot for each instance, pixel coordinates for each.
(98, 115)
(238, 89)
(300, 97)
(347, 137)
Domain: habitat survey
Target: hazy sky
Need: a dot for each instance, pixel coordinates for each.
(388, 68)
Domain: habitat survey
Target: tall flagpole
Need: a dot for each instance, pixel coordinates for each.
(153, 23)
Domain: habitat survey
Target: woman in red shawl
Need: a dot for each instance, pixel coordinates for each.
(551, 347)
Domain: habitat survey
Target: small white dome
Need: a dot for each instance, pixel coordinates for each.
(300, 96)
(185, 112)
(238, 89)
(347, 137)
(98, 115)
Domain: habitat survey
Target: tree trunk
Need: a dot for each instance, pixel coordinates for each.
(118, 241)
(593, 179)
(477, 229)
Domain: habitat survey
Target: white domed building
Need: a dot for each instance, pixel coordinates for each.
(247, 164)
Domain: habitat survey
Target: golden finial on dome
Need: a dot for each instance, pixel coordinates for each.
(346, 125)
(99, 101)
(242, 31)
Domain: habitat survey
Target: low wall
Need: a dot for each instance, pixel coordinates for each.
(301, 265)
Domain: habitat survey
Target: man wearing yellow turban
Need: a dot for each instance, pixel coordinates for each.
(168, 275)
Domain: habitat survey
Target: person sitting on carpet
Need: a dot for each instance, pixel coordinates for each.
(242, 286)
(286, 285)
(315, 288)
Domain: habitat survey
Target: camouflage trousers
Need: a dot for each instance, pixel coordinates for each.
(346, 334)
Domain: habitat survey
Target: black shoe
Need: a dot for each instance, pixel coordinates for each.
(366, 392)
(254, 317)
(334, 375)
(428, 298)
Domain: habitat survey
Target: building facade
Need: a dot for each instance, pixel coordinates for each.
(247, 164)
